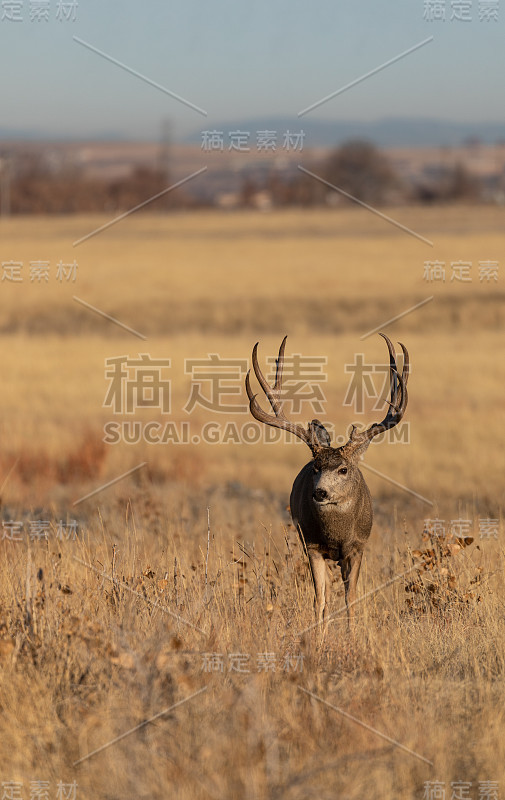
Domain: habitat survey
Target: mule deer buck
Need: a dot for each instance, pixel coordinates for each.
(330, 502)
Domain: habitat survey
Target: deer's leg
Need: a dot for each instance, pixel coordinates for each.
(350, 573)
(319, 575)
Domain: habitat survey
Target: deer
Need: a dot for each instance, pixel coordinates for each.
(330, 503)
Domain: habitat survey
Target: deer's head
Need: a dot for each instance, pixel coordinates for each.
(335, 470)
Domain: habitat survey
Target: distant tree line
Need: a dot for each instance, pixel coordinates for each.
(356, 168)
(35, 189)
(362, 171)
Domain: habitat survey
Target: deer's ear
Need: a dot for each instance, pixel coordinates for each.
(358, 450)
(318, 434)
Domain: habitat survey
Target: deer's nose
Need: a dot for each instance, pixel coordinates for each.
(320, 495)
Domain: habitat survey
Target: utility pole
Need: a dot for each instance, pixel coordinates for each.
(164, 159)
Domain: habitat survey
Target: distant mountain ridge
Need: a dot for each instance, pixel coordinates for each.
(386, 132)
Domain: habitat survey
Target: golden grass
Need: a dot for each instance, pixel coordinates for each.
(308, 271)
(455, 410)
(82, 660)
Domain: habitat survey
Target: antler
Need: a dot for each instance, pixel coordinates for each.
(315, 436)
(397, 404)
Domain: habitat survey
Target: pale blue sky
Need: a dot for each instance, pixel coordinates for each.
(239, 60)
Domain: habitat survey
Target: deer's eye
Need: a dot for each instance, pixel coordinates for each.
(342, 471)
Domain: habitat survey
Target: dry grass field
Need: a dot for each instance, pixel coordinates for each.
(155, 638)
